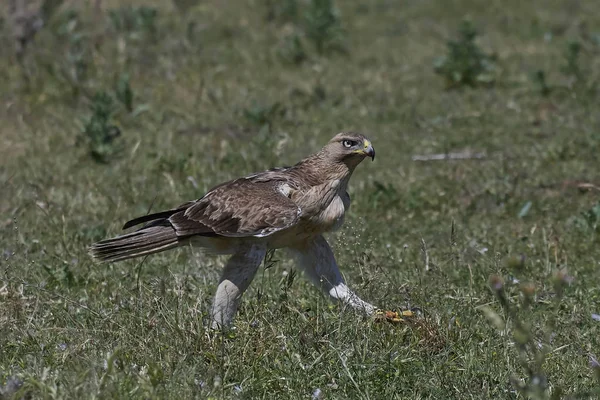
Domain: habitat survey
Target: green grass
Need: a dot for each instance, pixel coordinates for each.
(209, 98)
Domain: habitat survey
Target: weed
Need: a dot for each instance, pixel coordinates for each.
(75, 66)
(263, 115)
(123, 92)
(384, 195)
(176, 164)
(465, 63)
(571, 67)
(134, 21)
(323, 26)
(60, 276)
(539, 79)
(49, 7)
(184, 6)
(282, 10)
(320, 24)
(588, 220)
(99, 133)
(291, 49)
(78, 59)
(270, 261)
(532, 347)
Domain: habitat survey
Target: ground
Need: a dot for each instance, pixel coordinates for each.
(496, 255)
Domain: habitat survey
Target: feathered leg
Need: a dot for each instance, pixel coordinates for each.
(235, 279)
(317, 261)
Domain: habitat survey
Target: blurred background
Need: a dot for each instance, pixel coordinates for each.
(484, 115)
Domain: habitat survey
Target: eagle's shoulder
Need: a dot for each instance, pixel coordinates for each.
(256, 205)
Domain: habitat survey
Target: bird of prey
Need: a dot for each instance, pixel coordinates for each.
(289, 207)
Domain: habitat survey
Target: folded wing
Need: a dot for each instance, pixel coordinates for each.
(240, 208)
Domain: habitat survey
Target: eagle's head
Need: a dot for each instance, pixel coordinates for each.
(350, 148)
(339, 157)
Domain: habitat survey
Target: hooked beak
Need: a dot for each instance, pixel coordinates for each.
(369, 150)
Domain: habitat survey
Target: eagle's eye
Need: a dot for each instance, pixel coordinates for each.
(348, 143)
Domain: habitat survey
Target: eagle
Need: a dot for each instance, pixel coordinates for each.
(289, 207)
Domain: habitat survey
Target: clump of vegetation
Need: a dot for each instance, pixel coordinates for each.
(571, 68)
(592, 217)
(282, 10)
(134, 20)
(263, 115)
(532, 345)
(75, 65)
(185, 5)
(323, 26)
(319, 22)
(292, 50)
(185, 8)
(123, 92)
(78, 57)
(466, 64)
(588, 220)
(99, 133)
(384, 194)
(539, 79)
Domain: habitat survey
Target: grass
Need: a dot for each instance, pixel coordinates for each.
(202, 95)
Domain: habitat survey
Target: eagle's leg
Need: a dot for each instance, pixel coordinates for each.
(317, 261)
(235, 279)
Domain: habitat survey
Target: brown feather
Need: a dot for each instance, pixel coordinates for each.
(240, 208)
(155, 216)
(142, 242)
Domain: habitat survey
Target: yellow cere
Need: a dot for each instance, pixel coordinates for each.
(367, 143)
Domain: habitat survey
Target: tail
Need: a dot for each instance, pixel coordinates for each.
(147, 240)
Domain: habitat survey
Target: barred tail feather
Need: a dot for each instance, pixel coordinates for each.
(148, 240)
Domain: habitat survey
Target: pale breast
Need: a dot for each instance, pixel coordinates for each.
(328, 219)
(332, 218)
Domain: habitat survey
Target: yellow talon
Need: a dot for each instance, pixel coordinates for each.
(392, 316)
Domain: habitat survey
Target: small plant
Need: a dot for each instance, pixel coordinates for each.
(592, 217)
(291, 50)
(282, 10)
(49, 7)
(533, 346)
(78, 59)
(98, 132)
(134, 20)
(263, 115)
(124, 93)
(539, 79)
(323, 27)
(384, 195)
(320, 24)
(183, 6)
(588, 220)
(465, 63)
(74, 67)
(571, 68)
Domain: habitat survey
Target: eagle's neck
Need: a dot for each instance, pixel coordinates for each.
(317, 170)
(322, 198)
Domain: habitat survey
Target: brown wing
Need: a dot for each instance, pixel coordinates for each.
(243, 207)
(161, 215)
